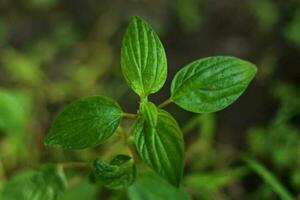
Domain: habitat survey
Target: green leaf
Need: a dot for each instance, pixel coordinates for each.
(211, 84)
(84, 123)
(159, 142)
(269, 178)
(47, 183)
(119, 173)
(150, 186)
(143, 58)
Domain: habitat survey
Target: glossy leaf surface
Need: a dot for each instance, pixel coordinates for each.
(160, 143)
(143, 58)
(211, 84)
(85, 123)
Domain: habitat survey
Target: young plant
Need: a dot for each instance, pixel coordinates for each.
(203, 86)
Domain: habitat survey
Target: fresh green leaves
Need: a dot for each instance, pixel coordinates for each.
(120, 172)
(143, 58)
(159, 142)
(47, 183)
(211, 84)
(204, 86)
(85, 123)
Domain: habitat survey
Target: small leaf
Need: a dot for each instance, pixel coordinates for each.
(143, 58)
(47, 183)
(159, 142)
(150, 186)
(211, 84)
(119, 173)
(85, 123)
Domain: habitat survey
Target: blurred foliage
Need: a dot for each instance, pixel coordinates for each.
(279, 141)
(47, 182)
(266, 13)
(269, 178)
(188, 14)
(292, 29)
(52, 52)
(81, 189)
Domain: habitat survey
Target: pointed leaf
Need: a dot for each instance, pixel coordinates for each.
(143, 58)
(159, 142)
(85, 123)
(211, 84)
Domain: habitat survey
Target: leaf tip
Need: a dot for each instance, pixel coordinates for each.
(251, 67)
(136, 18)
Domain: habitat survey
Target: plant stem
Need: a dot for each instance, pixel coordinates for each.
(129, 115)
(165, 103)
(128, 143)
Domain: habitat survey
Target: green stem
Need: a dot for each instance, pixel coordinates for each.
(129, 115)
(128, 143)
(165, 103)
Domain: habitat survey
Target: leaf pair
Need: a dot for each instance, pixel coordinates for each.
(205, 85)
(157, 135)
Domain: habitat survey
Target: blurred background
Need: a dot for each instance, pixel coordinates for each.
(54, 51)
